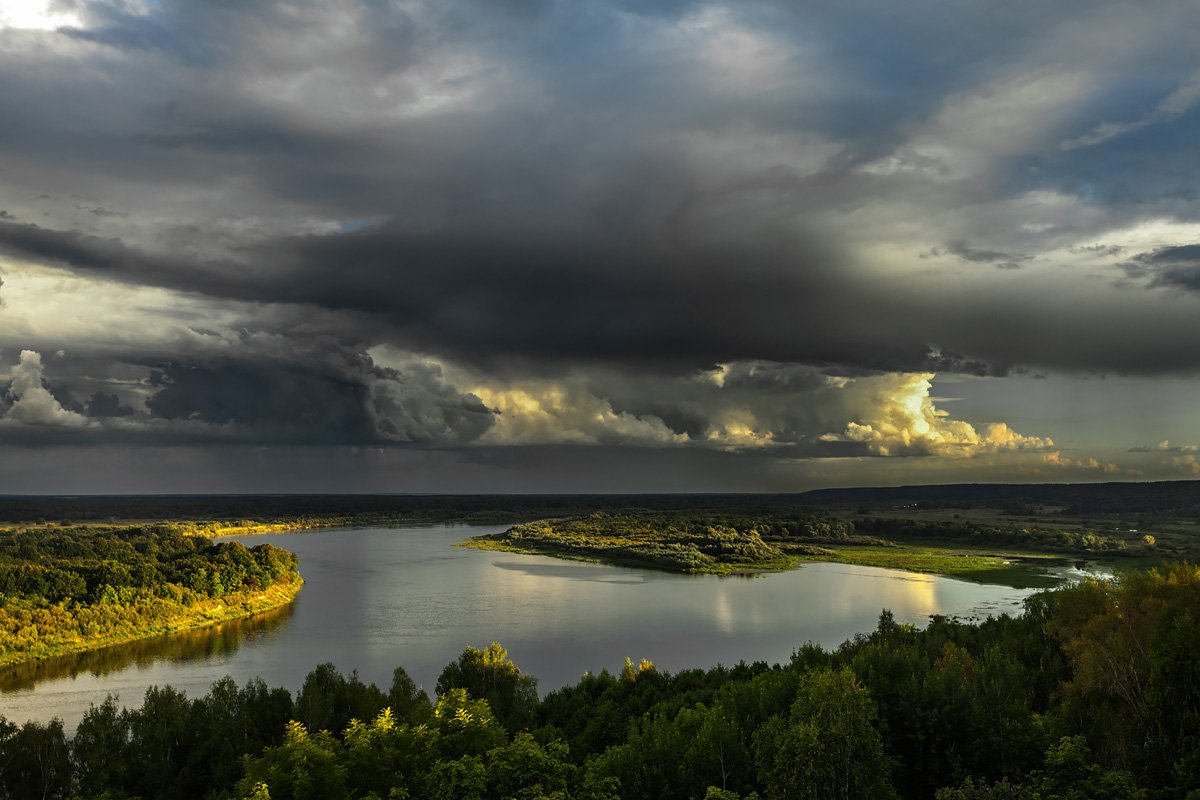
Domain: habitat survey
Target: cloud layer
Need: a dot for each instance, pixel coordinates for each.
(698, 227)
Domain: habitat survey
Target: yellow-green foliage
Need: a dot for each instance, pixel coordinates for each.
(70, 589)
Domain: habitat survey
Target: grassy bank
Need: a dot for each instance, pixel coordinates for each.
(725, 544)
(1018, 570)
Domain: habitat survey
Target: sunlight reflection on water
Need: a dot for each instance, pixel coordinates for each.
(378, 598)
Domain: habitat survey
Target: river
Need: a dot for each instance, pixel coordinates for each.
(375, 598)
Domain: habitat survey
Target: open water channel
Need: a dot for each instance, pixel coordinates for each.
(375, 598)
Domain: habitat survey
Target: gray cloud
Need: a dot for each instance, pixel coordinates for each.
(607, 200)
(103, 404)
(1168, 267)
(998, 258)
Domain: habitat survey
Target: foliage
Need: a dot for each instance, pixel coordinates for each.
(489, 675)
(1034, 537)
(64, 589)
(826, 747)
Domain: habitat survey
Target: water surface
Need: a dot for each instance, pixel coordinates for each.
(375, 598)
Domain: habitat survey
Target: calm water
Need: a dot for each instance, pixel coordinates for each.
(381, 597)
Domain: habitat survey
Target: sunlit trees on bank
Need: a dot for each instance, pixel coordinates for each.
(66, 589)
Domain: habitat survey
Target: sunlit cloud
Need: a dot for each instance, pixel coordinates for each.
(1165, 446)
(901, 419)
(1092, 464)
(1188, 465)
(544, 412)
(32, 404)
(36, 14)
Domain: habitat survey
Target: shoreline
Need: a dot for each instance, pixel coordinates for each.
(1016, 570)
(213, 612)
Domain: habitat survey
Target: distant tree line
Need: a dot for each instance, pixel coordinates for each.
(1091, 693)
(968, 532)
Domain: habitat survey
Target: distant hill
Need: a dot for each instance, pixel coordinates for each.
(1179, 496)
(1165, 496)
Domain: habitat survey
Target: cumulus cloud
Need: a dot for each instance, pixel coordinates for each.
(899, 418)
(1188, 465)
(418, 405)
(1165, 446)
(32, 403)
(737, 406)
(545, 412)
(1092, 464)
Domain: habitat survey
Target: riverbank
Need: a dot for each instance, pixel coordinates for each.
(154, 617)
(1017, 570)
(723, 544)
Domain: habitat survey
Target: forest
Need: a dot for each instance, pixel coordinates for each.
(70, 588)
(1093, 692)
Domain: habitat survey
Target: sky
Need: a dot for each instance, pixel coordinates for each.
(589, 246)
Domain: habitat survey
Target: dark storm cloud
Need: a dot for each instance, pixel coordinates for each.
(65, 398)
(286, 382)
(328, 397)
(263, 399)
(103, 404)
(1168, 267)
(65, 247)
(539, 295)
(526, 189)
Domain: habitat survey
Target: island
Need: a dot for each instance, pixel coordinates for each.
(729, 543)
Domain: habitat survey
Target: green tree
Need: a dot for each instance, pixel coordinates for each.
(1071, 773)
(826, 748)
(34, 761)
(164, 735)
(466, 726)
(100, 750)
(327, 700)
(407, 700)
(304, 767)
(525, 768)
(970, 790)
(489, 675)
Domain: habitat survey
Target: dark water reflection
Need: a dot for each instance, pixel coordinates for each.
(214, 641)
(377, 598)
